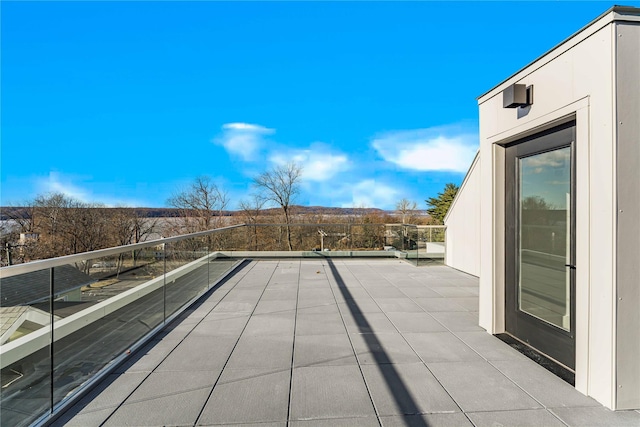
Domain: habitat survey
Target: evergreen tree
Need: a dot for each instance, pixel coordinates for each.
(439, 206)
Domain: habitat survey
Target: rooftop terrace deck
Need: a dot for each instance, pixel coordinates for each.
(336, 342)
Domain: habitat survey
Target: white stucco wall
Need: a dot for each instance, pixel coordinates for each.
(574, 80)
(463, 224)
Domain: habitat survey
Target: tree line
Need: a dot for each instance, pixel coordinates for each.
(54, 225)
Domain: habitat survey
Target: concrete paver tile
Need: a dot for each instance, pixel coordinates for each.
(426, 420)
(490, 347)
(406, 389)
(317, 350)
(415, 322)
(400, 305)
(165, 398)
(314, 307)
(337, 422)
(441, 347)
(102, 401)
(478, 386)
(271, 351)
(439, 304)
(360, 306)
(248, 395)
(213, 327)
(366, 323)
(199, 353)
(319, 324)
(382, 348)
(458, 321)
(329, 392)
(524, 418)
(270, 324)
(274, 307)
(545, 387)
(147, 358)
(597, 417)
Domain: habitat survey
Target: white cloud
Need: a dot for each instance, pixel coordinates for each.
(317, 163)
(433, 149)
(371, 193)
(57, 183)
(246, 127)
(243, 139)
(544, 162)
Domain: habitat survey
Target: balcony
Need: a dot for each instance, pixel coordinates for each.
(172, 333)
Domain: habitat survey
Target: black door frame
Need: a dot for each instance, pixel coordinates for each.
(554, 342)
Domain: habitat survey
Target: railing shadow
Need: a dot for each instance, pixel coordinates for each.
(401, 394)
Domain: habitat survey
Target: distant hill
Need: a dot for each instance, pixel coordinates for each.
(8, 212)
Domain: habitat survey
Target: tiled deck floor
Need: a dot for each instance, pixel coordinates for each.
(329, 343)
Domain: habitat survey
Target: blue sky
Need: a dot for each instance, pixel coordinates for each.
(125, 103)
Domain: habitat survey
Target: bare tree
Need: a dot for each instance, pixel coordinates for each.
(127, 227)
(8, 235)
(23, 216)
(201, 205)
(20, 219)
(251, 210)
(55, 224)
(281, 185)
(50, 208)
(407, 209)
(64, 225)
(87, 225)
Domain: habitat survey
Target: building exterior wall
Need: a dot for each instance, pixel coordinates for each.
(574, 81)
(627, 107)
(463, 224)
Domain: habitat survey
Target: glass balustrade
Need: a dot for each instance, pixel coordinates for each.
(66, 321)
(63, 324)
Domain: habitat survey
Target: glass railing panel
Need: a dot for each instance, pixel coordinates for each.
(219, 266)
(301, 237)
(228, 240)
(273, 238)
(62, 325)
(95, 322)
(411, 243)
(367, 237)
(25, 340)
(394, 237)
(187, 272)
(247, 238)
(331, 237)
(432, 244)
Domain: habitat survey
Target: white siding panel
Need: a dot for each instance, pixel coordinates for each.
(463, 225)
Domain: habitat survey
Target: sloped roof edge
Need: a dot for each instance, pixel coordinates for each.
(613, 14)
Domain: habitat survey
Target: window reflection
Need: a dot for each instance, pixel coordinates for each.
(544, 237)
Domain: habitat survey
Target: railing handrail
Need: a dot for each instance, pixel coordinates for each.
(29, 267)
(328, 224)
(307, 224)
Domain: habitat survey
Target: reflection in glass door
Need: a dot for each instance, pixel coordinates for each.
(544, 236)
(539, 243)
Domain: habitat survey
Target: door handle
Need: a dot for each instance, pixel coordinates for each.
(573, 267)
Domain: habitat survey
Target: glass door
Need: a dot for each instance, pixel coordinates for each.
(544, 240)
(540, 243)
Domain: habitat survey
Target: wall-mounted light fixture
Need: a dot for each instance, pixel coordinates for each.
(517, 95)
